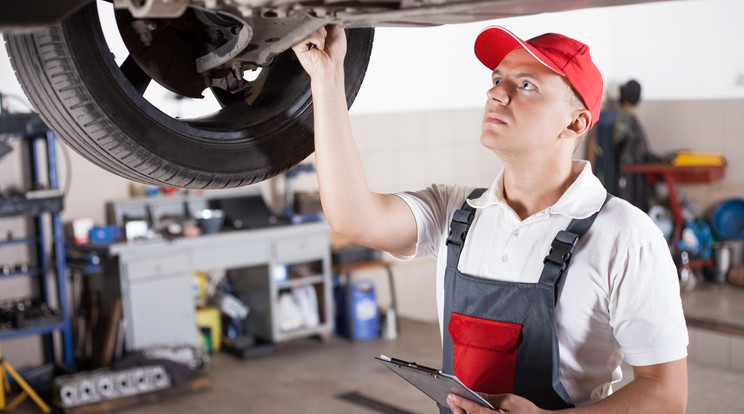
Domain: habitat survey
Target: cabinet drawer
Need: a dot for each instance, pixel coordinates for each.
(230, 255)
(293, 249)
(153, 267)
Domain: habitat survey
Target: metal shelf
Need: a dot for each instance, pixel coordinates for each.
(300, 333)
(25, 240)
(85, 269)
(300, 281)
(29, 272)
(36, 205)
(35, 330)
(29, 207)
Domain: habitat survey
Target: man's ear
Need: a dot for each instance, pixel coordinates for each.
(579, 124)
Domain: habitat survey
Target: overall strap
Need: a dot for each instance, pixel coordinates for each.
(562, 249)
(461, 221)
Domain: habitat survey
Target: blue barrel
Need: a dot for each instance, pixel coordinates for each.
(358, 317)
(365, 316)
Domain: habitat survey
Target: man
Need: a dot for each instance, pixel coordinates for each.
(554, 339)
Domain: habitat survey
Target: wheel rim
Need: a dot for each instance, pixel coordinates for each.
(283, 99)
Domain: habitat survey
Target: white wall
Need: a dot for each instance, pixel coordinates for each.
(676, 50)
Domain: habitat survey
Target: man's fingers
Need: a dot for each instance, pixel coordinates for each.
(314, 41)
(317, 40)
(322, 51)
(452, 403)
(334, 32)
(311, 43)
(462, 405)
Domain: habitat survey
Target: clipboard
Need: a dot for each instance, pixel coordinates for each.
(432, 382)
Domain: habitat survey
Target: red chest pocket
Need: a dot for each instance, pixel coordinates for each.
(484, 352)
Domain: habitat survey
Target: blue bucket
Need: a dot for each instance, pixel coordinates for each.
(728, 219)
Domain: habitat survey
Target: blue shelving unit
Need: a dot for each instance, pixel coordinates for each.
(38, 205)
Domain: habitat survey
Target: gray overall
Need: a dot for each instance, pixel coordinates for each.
(502, 335)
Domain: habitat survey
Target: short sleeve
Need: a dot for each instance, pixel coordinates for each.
(645, 306)
(433, 208)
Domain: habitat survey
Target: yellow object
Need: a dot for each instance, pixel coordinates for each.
(5, 369)
(692, 158)
(200, 282)
(200, 285)
(209, 317)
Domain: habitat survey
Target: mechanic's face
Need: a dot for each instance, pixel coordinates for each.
(527, 107)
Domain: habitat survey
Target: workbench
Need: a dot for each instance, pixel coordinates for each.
(156, 279)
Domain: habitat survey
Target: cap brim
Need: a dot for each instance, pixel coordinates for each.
(495, 42)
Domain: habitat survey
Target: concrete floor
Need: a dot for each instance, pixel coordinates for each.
(308, 376)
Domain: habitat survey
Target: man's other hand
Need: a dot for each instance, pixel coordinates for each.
(503, 404)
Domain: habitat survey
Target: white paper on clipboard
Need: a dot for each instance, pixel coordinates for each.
(432, 382)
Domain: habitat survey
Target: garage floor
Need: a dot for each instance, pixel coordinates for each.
(309, 376)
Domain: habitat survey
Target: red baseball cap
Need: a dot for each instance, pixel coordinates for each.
(565, 56)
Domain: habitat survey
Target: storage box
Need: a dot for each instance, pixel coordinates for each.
(103, 234)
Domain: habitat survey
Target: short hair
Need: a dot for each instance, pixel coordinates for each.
(573, 97)
(630, 92)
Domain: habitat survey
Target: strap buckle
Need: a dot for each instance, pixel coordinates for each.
(562, 248)
(459, 227)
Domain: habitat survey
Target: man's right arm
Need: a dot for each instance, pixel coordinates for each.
(381, 221)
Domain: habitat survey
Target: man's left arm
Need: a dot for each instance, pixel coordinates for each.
(658, 389)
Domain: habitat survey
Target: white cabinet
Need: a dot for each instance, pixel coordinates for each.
(156, 280)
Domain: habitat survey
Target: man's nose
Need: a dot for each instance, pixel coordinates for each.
(499, 92)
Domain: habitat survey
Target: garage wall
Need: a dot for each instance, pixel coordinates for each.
(409, 151)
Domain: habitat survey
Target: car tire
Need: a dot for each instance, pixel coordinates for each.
(74, 83)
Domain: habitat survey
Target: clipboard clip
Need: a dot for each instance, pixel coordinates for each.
(400, 362)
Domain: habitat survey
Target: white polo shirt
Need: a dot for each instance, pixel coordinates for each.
(621, 293)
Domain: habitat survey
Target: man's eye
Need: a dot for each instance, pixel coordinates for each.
(496, 82)
(528, 86)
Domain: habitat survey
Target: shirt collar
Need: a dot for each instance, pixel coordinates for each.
(583, 198)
